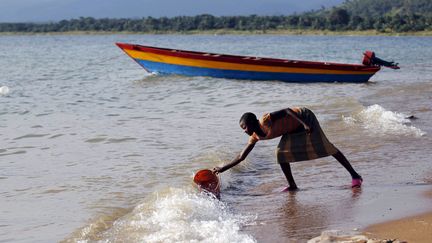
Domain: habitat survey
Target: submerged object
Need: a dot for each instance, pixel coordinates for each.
(208, 181)
(191, 63)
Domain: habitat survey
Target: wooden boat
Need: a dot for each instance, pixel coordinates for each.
(192, 63)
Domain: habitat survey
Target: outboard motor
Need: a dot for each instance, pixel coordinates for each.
(369, 59)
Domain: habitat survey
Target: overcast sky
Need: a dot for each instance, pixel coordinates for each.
(55, 10)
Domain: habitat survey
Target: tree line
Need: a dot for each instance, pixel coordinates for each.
(335, 19)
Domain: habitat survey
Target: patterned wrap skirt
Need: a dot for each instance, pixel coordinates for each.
(300, 146)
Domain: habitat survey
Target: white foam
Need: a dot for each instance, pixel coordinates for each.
(180, 216)
(329, 236)
(381, 121)
(4, 90)
(337, 236)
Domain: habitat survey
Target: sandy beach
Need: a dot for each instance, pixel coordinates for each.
(416, 228)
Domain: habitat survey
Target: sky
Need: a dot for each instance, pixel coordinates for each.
(55, 10)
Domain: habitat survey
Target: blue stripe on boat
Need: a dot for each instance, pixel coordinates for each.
(164, 68)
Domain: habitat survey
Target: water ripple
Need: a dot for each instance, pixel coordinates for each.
(31, 135)
(120, 140)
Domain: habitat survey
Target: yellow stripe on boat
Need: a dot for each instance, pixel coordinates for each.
(231, 66)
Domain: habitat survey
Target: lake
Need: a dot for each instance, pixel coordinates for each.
(93, 148)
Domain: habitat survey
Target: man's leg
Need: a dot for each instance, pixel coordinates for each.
(286, 168)
(345, 163)
(283, 159)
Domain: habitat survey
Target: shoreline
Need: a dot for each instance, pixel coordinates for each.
(414, 228)
(231, 32)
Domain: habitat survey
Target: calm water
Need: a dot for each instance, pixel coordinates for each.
(92, 148)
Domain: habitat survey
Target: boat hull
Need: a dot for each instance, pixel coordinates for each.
(169, 61)
(164, 68)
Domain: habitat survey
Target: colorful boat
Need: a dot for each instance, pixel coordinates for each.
(192, 63)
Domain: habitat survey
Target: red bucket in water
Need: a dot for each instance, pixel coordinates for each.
(208, 181)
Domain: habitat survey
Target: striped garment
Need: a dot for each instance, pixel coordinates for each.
(295, 144)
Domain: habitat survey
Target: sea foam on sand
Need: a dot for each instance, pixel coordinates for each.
(336, 236)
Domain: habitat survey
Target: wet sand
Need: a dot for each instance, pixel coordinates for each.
(416, 228)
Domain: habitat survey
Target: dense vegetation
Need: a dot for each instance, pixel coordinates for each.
(379, 15)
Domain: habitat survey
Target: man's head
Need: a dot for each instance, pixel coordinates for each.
(248, 122)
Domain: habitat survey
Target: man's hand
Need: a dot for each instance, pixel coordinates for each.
(216, 170)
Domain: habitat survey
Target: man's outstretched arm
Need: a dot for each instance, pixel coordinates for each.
(239, 158)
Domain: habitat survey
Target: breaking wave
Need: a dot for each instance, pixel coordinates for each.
(383, 121)
(175, 216)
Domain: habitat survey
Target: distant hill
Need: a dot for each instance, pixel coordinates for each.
(380, 15)
(379, 8)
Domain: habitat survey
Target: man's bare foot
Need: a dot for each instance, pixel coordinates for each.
(290, 189)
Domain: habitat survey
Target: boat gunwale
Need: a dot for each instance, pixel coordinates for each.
(248, 59)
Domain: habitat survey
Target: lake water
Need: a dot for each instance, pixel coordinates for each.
(93, 148)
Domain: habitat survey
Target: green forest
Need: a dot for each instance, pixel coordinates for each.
(386, 16)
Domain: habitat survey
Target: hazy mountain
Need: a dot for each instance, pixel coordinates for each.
(377, 8)
(55, 10)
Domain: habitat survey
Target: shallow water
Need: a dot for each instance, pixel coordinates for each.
(92, 148)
